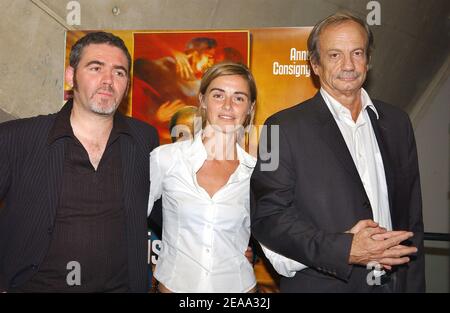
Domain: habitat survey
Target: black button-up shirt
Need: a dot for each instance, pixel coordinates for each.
(88, 252)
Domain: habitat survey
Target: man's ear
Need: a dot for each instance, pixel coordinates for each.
(126, 90)
(69, 75)
(315, 67)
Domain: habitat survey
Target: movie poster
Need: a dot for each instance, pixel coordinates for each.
(168, 68)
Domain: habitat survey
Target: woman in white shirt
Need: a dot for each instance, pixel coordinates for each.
(205, 189)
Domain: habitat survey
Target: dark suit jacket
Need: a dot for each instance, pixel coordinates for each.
(302, 208)
(31, 171)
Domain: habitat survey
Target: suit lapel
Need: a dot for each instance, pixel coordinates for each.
(381, 133)
(128, 163)
(128, 173)
(331, 134)
(55, 174)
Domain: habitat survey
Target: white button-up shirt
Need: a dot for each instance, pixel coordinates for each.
(363, 146)
(204, 238)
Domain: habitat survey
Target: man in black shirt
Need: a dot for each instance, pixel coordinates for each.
(76, 184)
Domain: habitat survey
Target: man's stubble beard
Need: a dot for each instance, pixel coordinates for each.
(94, 107)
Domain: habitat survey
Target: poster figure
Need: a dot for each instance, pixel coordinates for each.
(168, 67)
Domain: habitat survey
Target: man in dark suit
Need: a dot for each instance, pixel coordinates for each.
(76, 183)
(344, 200)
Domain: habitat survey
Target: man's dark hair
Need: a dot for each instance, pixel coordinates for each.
(97, 38)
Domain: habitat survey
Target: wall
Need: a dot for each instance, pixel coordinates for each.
(433, 144)
(5, 116)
